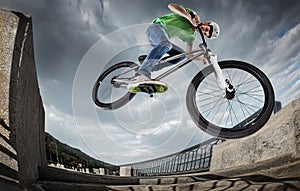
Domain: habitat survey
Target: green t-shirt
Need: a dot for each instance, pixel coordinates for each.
(177, 26)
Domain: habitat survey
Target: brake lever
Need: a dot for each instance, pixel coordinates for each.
(202, 46)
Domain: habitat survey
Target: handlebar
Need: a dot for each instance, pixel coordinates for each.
(202, 36)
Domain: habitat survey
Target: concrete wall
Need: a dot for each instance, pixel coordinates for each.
(22, 146)
(278, 142)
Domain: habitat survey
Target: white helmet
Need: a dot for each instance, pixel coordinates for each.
(215, 30)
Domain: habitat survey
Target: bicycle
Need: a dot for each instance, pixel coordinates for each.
(227, 99)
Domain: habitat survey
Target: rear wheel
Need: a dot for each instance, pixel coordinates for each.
(233, 114)
(109, 95)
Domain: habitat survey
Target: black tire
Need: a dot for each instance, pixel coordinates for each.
(235, 117)
(105, 95)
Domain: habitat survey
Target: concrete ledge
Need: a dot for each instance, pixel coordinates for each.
(229, 184)
(9, 185)
(51, 174)
(290, 170)
(63, 186)
(281, 178)
(275, 144)
(288, 180)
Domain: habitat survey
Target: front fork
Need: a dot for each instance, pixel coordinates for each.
(223, 83)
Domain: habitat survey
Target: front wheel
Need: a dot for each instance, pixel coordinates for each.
(243, 112)
(109, 95)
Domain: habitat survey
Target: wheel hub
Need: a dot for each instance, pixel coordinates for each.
(114, 83)
(230, 90)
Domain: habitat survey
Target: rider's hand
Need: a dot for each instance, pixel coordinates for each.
(202, 59)
(194, 21)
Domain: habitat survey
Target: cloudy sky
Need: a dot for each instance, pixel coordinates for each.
(74, 40)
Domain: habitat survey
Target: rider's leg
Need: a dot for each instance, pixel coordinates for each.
(174, 51)
(161, 45)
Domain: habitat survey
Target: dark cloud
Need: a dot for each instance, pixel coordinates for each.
(62, 35)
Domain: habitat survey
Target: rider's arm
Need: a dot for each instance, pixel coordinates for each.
(189, 46)
(180, 10)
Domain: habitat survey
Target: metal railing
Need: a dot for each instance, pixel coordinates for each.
(194, 159)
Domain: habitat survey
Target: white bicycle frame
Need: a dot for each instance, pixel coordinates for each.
(211, 58)
(203, 51)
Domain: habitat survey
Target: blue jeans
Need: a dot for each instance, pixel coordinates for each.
(158, 38)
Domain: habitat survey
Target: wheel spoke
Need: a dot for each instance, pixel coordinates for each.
(211, 97)
(248, 106)
(216, 104)
(233, 112)
(222, 115)
(253, 96)
(212, 85)
(246, 82)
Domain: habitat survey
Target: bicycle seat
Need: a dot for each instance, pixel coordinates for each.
(142, 58)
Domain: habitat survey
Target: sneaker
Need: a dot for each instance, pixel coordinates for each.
(143, 83)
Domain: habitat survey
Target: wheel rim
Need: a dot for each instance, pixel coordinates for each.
(236, 113)
(110, 96)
